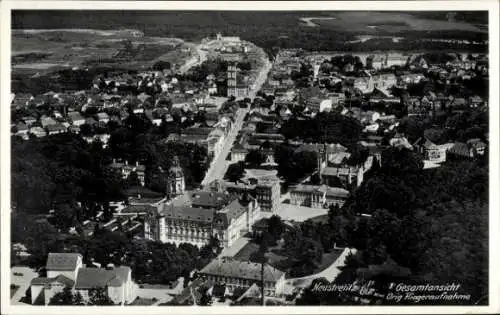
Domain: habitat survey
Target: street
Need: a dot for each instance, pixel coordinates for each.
(22, 281)
(219, 165)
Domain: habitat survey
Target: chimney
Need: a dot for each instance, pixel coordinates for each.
(114, 161)
(126, 162)
(136, 163)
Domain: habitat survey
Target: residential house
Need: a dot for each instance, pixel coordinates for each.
(42, 289)
(478, 145)
(29, 120)
(21, 129)
(431, 151)
(125, 169)
(62, 270)
(56, 129)
(38, 132)
(117, 281)
(47, 121)
(102, 117)
(76, 118)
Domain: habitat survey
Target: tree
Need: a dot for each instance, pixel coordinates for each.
(99, 296)
(161, 65)
(235, 171)
(276, 227)
(255, 158)
(66, 297)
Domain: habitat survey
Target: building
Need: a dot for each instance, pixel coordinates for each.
(238, 153)
(268, 193)
(125, 169)
(76, 118)
(117, 281)
(62, 270)
(317, 196)
(66, 264)
(243, 274)
(432, 152)
(206, 215)
(44, 288)
(349, 176)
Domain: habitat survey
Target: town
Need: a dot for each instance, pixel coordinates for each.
(243, 178)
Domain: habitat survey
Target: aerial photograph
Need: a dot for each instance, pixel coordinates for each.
(249, 158)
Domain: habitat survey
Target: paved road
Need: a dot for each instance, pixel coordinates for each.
(219, 165)
(329, 273)
(22, 281)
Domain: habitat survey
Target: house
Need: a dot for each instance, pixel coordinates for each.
(125, 169)
(243, 274)
(62, 270)
(38, 132)
(102, 117)
(29, 120)
(461, 150)
(76, 118)
(238, 153)
(55, 129)
(478, 145)
(47, 121)
(116, 280)
(42, 289)
(21, 129)
(432, 152)
(65, 264)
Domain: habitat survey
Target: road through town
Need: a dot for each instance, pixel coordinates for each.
(219, 165)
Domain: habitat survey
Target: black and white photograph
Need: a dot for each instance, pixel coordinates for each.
(163, 156)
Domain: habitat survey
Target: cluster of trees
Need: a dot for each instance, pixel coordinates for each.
(439, 218)
(324, 127)
(294, 166)
(97, 296)
(445, 127)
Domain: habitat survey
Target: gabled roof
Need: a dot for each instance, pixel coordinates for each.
(62, 261)
(60, 279)
(207, 199)
(89, 278)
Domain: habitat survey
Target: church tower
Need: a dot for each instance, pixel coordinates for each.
(175, 181)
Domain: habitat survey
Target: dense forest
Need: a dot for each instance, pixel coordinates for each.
(420, 226)
(274, 29)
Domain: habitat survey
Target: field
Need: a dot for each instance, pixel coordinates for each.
(43, 51)
(287, 29)
(393, 22)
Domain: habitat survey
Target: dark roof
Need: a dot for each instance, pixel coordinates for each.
(187, 213)
(140, 209)
(206, 199)
(89, 278)
(228, 267)
(62, 261)
(60, 278)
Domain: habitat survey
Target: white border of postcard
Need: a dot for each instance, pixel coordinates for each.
(491, 5)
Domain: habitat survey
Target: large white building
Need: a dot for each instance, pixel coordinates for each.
(198, 216)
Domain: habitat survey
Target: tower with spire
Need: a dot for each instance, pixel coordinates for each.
(175, 182)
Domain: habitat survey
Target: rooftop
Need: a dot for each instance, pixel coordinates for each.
(89, 278)
(62, 261)
(232, 268)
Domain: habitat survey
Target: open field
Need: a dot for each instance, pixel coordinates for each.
(390, 22)
(42, 51)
